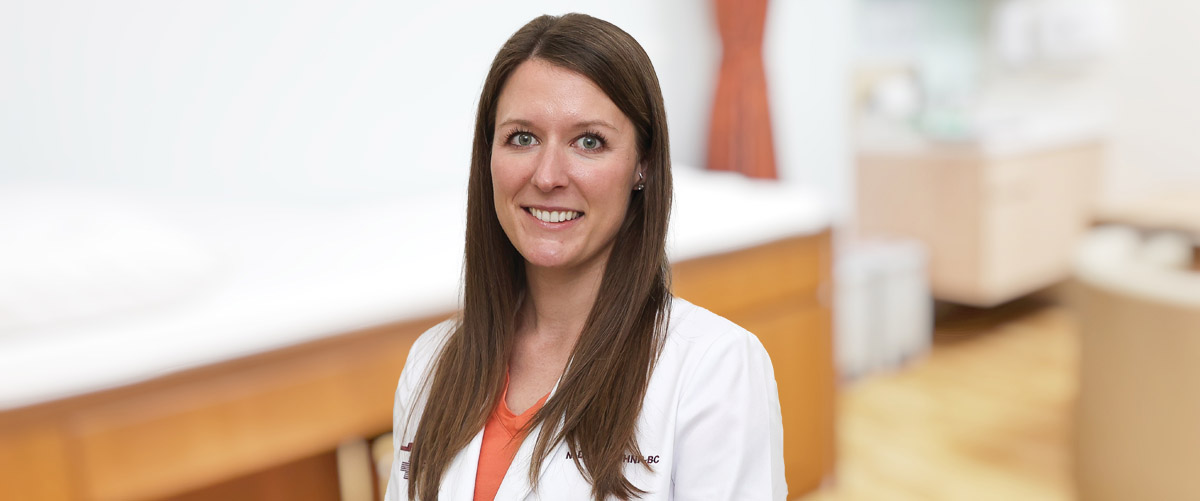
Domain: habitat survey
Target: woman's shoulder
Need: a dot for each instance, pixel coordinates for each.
(718, 382)
(430, 342)
(694, 324)
(694, 332)
(425, 350)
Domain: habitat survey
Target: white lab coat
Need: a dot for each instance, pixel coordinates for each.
(710, 423)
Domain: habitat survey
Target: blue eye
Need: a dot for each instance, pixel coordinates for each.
(591, 142)
(521, 138)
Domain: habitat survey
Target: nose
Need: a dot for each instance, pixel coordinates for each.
(551, 171)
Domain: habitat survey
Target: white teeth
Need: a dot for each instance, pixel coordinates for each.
(553, 216)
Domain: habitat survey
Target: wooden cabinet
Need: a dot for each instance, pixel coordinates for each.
(996, 227)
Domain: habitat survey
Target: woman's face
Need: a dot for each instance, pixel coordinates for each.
(564, 164)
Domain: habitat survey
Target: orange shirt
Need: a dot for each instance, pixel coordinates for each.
(500, 444)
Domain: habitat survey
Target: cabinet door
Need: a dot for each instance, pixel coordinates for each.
(1036, 209)
(33, 462)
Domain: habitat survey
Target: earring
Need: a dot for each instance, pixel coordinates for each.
(640, 186)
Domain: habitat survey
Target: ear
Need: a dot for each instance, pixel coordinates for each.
(639, 175)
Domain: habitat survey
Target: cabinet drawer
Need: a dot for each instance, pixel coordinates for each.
(1035, 210)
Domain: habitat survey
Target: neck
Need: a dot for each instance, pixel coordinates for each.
(558, 302)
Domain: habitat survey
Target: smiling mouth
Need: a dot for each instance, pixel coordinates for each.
(554, 216)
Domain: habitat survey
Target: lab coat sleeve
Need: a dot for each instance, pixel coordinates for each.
(729, 440)
(399, 413)
(420, 357)
(398, 410)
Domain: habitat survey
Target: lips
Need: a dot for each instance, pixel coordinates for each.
(553, 216)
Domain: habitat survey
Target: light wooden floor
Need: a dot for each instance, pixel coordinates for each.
(984, 416)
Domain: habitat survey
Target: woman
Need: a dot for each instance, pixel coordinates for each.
(572, 373)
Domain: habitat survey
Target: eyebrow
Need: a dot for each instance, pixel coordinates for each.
(578, 125)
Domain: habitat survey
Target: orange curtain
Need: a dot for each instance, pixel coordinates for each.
(739, 138)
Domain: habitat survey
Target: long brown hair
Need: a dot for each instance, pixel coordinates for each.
(599, 396)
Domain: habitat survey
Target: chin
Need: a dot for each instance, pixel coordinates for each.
(541, 261)
(551, 259)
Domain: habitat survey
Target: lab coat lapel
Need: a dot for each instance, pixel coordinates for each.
(459, 482)
(516, 480)
(515, 485)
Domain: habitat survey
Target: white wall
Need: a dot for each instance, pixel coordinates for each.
(808, 52)
(1156, 99)
(334, 101)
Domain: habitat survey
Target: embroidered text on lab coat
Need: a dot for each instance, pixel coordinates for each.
(628, 458)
